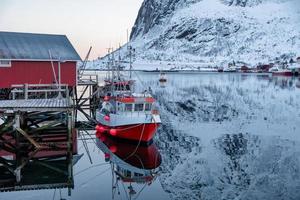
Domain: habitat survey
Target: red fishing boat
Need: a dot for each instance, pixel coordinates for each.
(125, 114)
(283, 72)
(132, 117)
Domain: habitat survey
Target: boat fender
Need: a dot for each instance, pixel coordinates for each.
(113, 132)
(113, 149)
(106, 98)
(107, 118)
(107, 157)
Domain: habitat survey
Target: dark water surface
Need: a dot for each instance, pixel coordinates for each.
(224, 136)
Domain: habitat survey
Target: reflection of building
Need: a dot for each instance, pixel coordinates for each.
(38, 174)
(37, 153)
(131, 164)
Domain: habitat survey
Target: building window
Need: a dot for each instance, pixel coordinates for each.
(5, 63)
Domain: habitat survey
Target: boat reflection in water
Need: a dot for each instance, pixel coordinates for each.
(131, 164)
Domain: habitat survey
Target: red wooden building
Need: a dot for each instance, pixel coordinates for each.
(27, 58)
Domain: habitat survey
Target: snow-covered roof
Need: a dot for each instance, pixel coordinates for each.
(31, 46)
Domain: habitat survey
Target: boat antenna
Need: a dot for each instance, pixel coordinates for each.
(119, 66)
(108, 63)
(130, 61)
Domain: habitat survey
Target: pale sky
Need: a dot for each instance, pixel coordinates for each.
(97, 23)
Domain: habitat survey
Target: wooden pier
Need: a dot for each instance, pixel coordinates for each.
(37, 121)
(86, 98)
(37, 125)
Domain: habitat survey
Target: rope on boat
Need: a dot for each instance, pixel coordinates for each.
(138, 145)
(90, 168)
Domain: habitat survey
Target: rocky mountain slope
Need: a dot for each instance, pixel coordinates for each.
(217, 31)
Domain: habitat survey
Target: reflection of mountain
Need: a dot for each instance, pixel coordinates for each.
(130, 164)
(226, 103)
(238, 166)
(217, 164)
(207, 103)
(176, 148)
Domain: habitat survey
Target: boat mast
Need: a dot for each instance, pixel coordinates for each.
(130, 61)
(119, 64)
(113, 71)
(108, 64)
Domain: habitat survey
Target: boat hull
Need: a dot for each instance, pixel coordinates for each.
(135, 132)
(162, 80)
(284, 73)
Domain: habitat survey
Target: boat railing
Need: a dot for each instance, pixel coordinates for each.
(89, 78)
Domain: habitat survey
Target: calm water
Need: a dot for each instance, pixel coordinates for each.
(224, 136)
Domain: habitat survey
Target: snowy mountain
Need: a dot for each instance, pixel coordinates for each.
(217, 31)
(188, 34)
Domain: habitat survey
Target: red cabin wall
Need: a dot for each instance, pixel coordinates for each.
(36, 72)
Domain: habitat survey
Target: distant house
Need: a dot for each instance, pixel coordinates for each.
(264, 68)
(244, 68)
(27, 58)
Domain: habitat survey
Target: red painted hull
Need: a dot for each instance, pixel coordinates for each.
(137, 132)
(144, 157)
(283, 73)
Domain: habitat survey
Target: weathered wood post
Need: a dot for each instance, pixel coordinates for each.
(17, 124)
(70, 149)
(26, 91)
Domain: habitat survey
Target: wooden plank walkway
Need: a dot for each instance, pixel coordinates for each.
(36, 105)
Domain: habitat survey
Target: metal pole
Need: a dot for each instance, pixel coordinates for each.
(130, 55)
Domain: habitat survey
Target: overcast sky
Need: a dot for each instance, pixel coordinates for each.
(97, 23)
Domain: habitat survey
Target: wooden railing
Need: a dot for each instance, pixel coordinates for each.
(89, 78)
(48, 90)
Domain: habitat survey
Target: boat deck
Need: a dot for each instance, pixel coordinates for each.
(36, 105)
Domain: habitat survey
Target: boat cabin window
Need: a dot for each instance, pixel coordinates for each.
(127, 173)
(122, 87)
(137, 174)
(128, 107)
(139, 107)
(120, 107)
(148, 107)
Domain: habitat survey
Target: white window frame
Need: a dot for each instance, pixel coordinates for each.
(4, 64)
